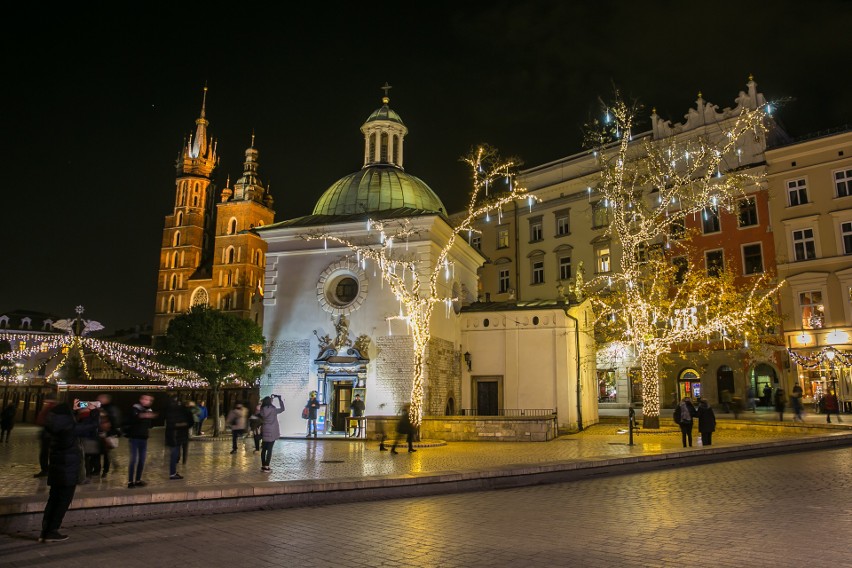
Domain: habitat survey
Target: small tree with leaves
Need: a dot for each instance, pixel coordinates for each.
(218, 347)
(418, 286)
(649, 188)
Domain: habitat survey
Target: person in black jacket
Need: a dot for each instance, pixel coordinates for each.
(706, 422)
(404, 428)
(63, 473)
(141, 419)
(179, 420)
(110, 428)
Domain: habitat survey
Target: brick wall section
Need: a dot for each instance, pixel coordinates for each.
(394, 370)
(289, 365)
(444, 376)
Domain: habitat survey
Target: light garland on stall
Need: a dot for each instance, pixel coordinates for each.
(821, 358)
(400, 270)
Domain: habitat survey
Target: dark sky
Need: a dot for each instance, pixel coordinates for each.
(96, 111)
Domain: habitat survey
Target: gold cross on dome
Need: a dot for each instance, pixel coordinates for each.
(386, 88)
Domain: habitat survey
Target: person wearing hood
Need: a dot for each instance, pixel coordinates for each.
(65, 462)
(706, 422)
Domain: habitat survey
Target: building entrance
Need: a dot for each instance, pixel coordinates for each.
(338, 405)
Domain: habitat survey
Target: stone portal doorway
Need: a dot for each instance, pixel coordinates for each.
(340, 399)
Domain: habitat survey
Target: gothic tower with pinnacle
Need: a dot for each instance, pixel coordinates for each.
(207, 254)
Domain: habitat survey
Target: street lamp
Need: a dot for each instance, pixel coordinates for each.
(467, 359)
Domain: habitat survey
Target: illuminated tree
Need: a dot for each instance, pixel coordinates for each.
(421, 286)
(216, 346)
(650, 188)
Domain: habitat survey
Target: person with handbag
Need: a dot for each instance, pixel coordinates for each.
(64, 466)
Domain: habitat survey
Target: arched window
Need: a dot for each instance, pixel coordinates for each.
(395, 149)
(231, 255)
(226, 302)
(373, 147)
(200, 297)
(171, 304)
(179, 220)
(176, 241)
(195, 201)
(175, 260)
(229, 278)
(173, 283)
(257, 257)
(232, 226)
(384, 148)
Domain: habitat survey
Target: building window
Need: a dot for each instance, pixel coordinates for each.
(176, 241)
(562, 223)
(710, 221)
(813, 310)
(715, 261)
(179, 221)
(503, 282)
(681, 266)
(748, 212)
(846, 235)
(536, 232)
(843, 183)
(803, 244)
(564, 267)
(476, 241)
(173, 283)
(171, 304)
(175, 260)
(230, 255)
(752, 259)
(232, 226)
(538, 271)
(600, 215)
(797, 191)
(502, 237)
(602, 260)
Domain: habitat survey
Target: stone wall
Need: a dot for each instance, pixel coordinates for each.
(288, 372)
(472, 428)
(394, 362)
(444, 381)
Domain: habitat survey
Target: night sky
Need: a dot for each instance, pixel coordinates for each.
(96, 112)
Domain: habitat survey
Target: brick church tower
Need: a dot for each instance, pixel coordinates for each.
(207, 254)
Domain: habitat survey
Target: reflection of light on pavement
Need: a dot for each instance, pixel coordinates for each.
(652, 448)
(416, 463)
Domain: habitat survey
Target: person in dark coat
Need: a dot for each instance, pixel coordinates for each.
(780, 401)
(43, 436)
(138, 430)
(706, 422)
(178, 422)
(63, 472)
(269, 430)
(687, 413)
(313, 409)
(404, 428)
(7, 422)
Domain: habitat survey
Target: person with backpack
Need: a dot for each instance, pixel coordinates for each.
(683, 416)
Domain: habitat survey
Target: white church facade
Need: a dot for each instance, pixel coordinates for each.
(334, 325)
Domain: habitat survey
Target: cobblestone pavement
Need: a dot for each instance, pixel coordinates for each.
(210, 462)
(788, 510)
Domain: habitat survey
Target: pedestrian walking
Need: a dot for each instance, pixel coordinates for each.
(684, 418)
(202, 416)
(178, 423)
(270, 431)
(238, 420)
(830, 406)
(752, 403)
(404, 427)
(767, 395)
(43, 436)
(780, 401)
(706, 422)
(138, 430)
(256, 425)
(312, 407)
(64, 466)
(7, 422)
(110, 430)
(725, 399)
(91, 441)
(796, 403)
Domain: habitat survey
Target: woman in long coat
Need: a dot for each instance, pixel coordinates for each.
(270, 431)
(706, 422)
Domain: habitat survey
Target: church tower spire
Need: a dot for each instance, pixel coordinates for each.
(383, 135)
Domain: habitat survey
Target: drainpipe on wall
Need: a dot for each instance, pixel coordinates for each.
(577, 354)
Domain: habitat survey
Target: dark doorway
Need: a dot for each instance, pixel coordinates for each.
(724, 381)
(487, 403)
(340, 405)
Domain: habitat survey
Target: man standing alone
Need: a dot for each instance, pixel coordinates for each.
(141, 420)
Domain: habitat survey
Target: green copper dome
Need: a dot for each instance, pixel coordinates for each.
(377, 188)
(384, 113)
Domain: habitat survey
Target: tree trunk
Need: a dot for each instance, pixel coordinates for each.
(650, 390)
(216, 408)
